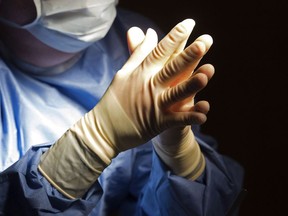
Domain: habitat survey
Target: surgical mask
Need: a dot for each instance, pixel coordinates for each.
(70, 25)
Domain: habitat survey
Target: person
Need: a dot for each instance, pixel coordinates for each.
(93, 123)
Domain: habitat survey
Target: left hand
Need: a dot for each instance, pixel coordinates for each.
(177, 146)
(136, 36)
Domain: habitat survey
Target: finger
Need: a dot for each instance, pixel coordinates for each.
(170, 44)
(207, 40)
(142, 50)
(206, 69)
(182, 44)
(181, 67)
(185, 89)
(185, 118)
(202, 107)
(188, 102)
(135, 37)
(183, 105)
(191, 118)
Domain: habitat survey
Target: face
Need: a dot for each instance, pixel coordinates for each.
(51, 42)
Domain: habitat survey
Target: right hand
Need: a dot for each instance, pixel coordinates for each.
(152, 91)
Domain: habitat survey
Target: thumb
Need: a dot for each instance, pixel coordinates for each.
(140, 47)
(135, 36)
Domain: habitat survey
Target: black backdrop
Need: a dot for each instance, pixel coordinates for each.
(248, 93)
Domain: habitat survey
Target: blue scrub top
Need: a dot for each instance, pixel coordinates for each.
(37, 109)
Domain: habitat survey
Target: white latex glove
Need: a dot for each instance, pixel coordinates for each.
(179, 150)
(140, 103)
(177, 146)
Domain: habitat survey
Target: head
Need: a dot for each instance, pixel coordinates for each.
(53, 28)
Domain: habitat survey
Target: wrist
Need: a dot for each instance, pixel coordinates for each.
(77, 159)
(70, 166)
(183, 158)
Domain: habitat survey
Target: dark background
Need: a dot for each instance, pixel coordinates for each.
(248, 94)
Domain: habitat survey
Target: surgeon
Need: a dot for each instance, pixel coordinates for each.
(99, 116)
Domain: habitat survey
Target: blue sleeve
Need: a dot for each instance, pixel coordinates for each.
(214, 193)
(25, 192)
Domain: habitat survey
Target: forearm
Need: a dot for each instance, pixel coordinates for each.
(77, 159)
(22, 183)
(67, 164)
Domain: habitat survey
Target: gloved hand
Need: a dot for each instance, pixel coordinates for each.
(177, 146)
(145, 98)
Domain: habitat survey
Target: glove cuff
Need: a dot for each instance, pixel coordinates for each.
(78, 158)
(184, 159)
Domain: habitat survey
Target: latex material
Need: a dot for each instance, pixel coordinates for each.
(177, 146)
(135, 183)
(181, 153)
(75, 91)
(71, 26)
(118, 122)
